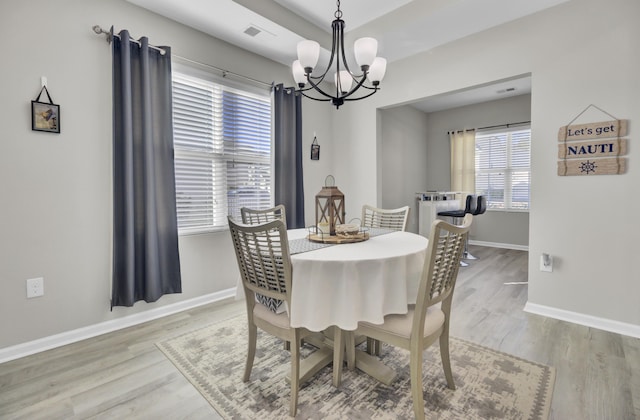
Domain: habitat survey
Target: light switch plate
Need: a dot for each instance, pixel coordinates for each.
(549, 267)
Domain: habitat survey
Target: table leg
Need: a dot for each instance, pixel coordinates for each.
(317, 360)
(370, 365)
(314, 363)
(327, 352)
(338, 355)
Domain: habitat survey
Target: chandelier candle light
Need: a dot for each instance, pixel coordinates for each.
(365, 50)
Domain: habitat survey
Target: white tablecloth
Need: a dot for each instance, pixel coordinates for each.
(343, 284)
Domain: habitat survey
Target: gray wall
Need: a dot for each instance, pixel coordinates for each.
(403, 167)
(55, 216)
(562, 50)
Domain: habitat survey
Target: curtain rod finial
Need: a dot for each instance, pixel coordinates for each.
(99, 31)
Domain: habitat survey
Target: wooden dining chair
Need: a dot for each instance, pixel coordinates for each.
(254, 216)
(425, 322)
(395, 219)
(262, 252)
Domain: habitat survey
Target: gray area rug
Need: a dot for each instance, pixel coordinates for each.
(490, 384)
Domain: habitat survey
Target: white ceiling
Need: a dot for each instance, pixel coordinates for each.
(358, 12)
(477, 94)
(402, 28)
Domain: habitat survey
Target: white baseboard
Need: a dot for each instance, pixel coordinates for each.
(617, 327)
(68, 337)
(500, 245)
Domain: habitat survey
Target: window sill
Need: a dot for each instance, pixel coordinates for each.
(192, 232)
(509, 210)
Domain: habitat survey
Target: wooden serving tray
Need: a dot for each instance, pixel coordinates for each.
(339, 239)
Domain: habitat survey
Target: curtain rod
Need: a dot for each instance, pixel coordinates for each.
(109, 36)
(491, 126)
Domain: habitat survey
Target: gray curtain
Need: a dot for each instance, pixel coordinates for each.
(288, 189)
(146, 264)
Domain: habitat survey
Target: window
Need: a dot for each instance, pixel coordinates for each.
(503, 172)
(222, 143)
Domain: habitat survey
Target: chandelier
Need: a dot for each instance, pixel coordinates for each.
(346, 82)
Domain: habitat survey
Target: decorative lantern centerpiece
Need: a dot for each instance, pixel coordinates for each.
(329, 208)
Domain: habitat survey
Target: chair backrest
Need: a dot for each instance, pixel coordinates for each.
(395, 219)
(258, 216)
(263, 258)
(471, 204)
(481, 207)
(444, 252)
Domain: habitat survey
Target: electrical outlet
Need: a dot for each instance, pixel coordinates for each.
(35, 287)
(546, 263)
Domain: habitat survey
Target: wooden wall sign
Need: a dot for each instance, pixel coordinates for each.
(592, 149)
(606, 129)
(600, 155)
(607, 166)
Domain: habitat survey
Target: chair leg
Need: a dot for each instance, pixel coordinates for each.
(373, 346)
(416, 383)
(350, 344)
(295, 373)
(456, 221)
(466, 254)
(338, 355)
(251, 354)
(446, 361)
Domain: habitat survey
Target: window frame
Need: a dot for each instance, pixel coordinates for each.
(509, 169)
(225, 157)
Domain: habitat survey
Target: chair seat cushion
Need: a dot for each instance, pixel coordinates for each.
(278, 319)
(275, 305)
(400, 325)
(452, 213)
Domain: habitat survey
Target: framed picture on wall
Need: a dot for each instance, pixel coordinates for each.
(45, 116)
(315, 150)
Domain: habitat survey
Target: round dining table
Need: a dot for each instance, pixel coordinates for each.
(335, 287)
(341, 285)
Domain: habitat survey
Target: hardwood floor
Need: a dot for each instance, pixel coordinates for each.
(123, 375)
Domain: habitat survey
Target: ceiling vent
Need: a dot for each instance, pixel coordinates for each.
(511, 89)
(252, 31)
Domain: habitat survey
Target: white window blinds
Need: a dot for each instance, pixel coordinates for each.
(222, 143)
(247, 143)
(503, 172)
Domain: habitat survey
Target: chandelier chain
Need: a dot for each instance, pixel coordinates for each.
(338, 13)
